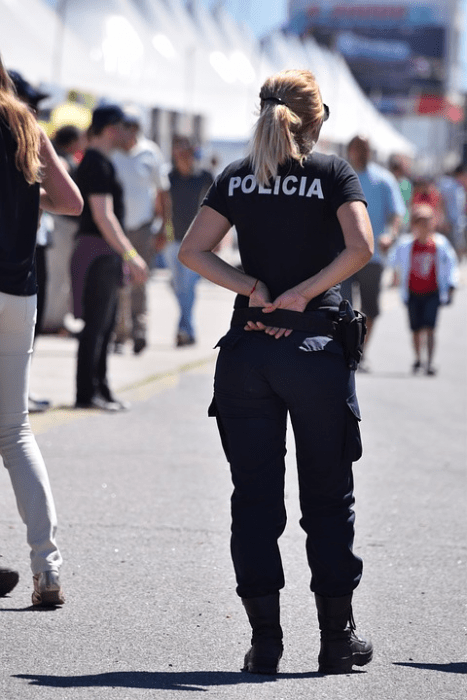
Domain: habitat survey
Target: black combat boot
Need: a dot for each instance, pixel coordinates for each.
(266, 641)
(340, 646)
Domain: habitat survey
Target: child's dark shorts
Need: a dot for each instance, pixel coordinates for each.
(423, 309)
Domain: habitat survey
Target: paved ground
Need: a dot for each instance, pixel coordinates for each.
(143, 501)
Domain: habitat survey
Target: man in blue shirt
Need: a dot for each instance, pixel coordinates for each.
(454, 197)
(386, 210)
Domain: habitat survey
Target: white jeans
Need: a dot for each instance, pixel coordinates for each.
(18, 446)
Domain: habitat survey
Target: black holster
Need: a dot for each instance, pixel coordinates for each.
(351, 332)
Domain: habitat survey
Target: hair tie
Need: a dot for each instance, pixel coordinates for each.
(276, 100)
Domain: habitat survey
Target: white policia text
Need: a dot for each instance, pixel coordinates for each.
(288, 185)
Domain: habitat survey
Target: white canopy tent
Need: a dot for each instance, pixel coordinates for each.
(186, 59)
(30, 33)
(127, 66)
(351, 111)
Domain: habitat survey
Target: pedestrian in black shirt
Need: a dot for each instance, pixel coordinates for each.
(31, 176)
(302, 228)
(96, 265)
(33, 97)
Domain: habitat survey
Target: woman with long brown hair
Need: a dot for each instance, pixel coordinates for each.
(31, 178)
(302, 228)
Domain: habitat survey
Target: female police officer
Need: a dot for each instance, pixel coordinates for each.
(302, 228)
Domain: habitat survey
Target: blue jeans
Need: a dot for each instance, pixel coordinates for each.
(184, 284)
(259, 381)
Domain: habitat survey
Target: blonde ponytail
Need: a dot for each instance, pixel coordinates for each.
(24, 129)
(291, 115)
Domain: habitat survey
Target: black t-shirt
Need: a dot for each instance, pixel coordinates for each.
(96, 175)
(187, 193)
(19, 215)
(287, 231)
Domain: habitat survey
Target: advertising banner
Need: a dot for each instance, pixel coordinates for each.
(397, 51)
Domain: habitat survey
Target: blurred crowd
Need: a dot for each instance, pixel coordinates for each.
(446, 193)
(92, 271)
(160, 199)
(419, 227)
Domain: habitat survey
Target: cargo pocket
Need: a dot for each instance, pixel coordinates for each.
(214, 413)
(230, 339)
(227, 342)
(316, 343)
(353, 438)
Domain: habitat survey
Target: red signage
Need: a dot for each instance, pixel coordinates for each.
(438, 106)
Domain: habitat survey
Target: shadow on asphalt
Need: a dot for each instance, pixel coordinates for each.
(33, 608)
(460, 667)
(187, 680)
(193, 680)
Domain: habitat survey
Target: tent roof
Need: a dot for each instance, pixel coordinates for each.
(181, 58)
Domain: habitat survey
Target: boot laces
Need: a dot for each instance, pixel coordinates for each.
(352, 624)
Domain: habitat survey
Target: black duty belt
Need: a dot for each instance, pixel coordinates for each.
(310, 322)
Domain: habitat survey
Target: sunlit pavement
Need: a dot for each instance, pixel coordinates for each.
(143, 503)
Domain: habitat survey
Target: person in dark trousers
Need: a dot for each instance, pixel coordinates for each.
(31, 177)
(302, 228)
(96, 264)
(386, 210)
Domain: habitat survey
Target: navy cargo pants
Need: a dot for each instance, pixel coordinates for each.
(259, 381)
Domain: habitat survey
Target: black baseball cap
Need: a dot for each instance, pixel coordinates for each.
(25, 90)
(106, 116)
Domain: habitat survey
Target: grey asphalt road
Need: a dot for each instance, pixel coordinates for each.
(143, 501)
